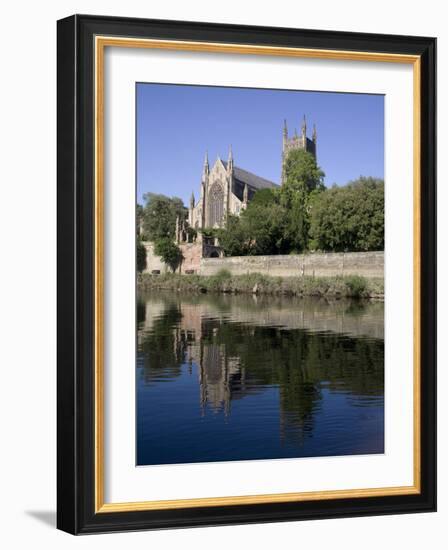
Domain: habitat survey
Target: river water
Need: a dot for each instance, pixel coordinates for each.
(223, 377)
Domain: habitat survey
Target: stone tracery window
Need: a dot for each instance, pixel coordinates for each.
(215, 204)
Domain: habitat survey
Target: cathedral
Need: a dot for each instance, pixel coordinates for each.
(227, 189)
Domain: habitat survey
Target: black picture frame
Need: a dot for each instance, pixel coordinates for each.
(76, 273)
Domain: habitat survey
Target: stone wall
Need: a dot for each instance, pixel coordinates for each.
(367, 264)
(192, 255)
(191, 252)
(329, 264)
(153, 262)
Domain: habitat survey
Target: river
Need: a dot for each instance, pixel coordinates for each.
(225, 377)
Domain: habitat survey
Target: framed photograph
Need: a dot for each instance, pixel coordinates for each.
(246, 274)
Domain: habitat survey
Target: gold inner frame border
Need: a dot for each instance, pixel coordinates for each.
(100, 43)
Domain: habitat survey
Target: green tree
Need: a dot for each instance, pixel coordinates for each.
(168, 251)
(265, 197)
(349, 218)
(259, 230)
(303, 179)
(297, 223)
(159, 216)
(302, 174)
(264, 227)
(233, 238)
(141, 256)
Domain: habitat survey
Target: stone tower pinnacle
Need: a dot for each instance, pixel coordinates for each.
(206, 169)
(230, 159)
(205, 174)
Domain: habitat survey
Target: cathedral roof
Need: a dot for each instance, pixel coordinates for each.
(252, 180)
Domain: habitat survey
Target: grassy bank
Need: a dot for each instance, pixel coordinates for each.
(256, 283)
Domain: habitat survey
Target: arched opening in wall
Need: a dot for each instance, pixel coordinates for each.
(215, 205)
(214, 254)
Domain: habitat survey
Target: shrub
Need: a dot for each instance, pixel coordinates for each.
(351, 286)
(223, 274)
(169, 252)
(356, 284)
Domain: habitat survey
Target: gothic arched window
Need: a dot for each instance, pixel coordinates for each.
(215, 205)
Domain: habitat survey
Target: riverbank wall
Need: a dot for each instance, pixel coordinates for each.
(330, 264)
(317, 264)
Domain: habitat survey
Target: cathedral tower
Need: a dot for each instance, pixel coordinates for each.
(297, 142)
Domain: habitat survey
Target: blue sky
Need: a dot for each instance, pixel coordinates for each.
(177, 124)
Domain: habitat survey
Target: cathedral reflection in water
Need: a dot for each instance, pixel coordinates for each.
(270, 372)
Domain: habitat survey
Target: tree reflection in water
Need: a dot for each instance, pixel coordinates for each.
(314, 354)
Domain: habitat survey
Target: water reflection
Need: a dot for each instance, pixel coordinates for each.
(242, 377)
